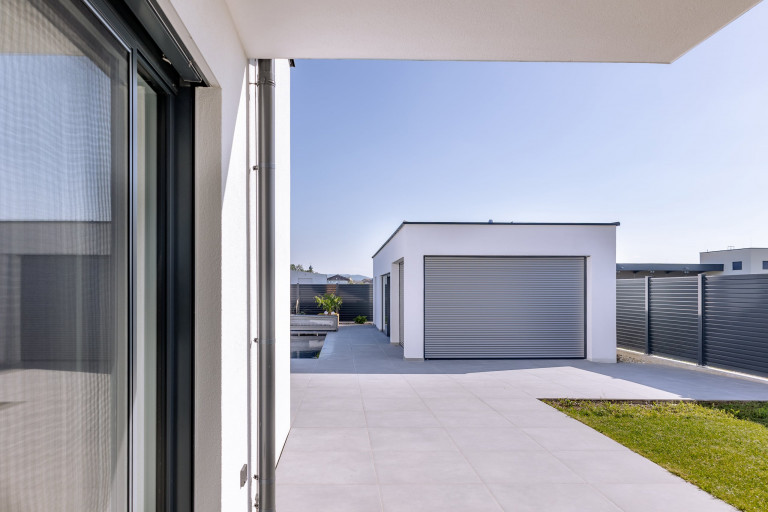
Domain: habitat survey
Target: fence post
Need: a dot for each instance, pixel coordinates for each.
(647, 314)
(701, 319)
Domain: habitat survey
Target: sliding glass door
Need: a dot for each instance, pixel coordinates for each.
(147, 335)
(95, 265)
(64, 260)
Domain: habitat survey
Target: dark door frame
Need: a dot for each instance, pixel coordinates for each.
(387, 306)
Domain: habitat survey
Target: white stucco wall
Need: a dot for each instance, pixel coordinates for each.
(751, 260)
(283, 253)
(302, 277)
(221, 224)
(414, 241)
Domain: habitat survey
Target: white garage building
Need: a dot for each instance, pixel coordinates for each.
(448, 290)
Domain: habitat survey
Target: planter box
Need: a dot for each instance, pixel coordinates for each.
(314, 323)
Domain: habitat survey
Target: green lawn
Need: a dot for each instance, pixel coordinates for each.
(720, 446)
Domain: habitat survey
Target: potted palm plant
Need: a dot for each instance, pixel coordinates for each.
(329, 303)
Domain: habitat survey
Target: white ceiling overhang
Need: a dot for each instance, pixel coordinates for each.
(496, 30)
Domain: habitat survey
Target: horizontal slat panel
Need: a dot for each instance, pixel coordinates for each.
(736, 322)
(503, 307)
(673, 322)
(630, 314)
(357, 299)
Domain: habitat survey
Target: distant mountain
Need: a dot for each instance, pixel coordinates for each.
(354, 277)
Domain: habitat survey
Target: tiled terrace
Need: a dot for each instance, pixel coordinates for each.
(371, 432)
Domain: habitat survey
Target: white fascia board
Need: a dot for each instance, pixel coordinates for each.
(657, 31)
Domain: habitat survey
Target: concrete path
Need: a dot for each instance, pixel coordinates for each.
(371, 432)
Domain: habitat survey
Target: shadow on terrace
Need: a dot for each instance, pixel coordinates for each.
(362, 349)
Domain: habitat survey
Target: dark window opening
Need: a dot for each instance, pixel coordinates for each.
(736, 265)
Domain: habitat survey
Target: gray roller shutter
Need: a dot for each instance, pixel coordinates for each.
(504, 307)
(400, 294)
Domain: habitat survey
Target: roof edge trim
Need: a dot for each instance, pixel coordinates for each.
(615, 224)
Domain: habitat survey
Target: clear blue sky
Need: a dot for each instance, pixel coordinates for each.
(677, 153)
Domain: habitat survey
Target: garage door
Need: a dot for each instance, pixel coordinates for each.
(504, 307)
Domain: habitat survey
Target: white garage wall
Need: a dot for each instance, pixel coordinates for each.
(413, 241)
(221, 292)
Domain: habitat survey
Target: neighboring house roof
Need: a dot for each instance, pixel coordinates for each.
(338, 277)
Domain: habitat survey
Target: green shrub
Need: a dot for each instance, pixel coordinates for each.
(361, 319)
(330, 303)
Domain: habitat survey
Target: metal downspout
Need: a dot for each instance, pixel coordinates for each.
(265, 153)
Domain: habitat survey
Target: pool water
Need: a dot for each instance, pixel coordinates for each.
(306, 346)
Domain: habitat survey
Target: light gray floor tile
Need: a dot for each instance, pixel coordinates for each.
(332, 404)
(679, 497)
(470, 403)
(616, 467)
(521, 467)
(542, 418)
(427, 380)
(423, 418)
(413, 439)
(438, 498)
(448, 467)
(547, 391)
(325, 419)
(516, 404)
(332, 467)
(572, 437)
(440, 392)
(335, 498)
(383, 391)
(298, 379)
(492, 439)
(552, 498)
(389, 378)
(471, 419)
(396, 393)
(328, 439)
(394, 404)
(503, 392)
(334, 380)
(337, 392)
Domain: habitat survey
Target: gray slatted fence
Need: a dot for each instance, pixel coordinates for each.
(630, 314)
(736, 322)
(720, 321)
(357, 299)
(674, 317)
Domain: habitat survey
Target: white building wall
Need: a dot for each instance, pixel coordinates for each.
(302, 277)
(414, 241)
(751, 258)
(221, 288)
(282, 254)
